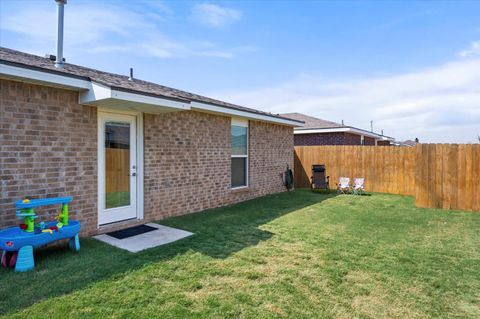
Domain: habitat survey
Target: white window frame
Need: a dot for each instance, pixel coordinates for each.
(243, 123)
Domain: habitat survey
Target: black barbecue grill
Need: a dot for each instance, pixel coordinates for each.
(319, 178)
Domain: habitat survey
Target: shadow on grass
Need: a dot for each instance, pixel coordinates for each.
(217, 233)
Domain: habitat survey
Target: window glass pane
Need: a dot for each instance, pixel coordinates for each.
(239, 170)
(239, 140)
(117, 164)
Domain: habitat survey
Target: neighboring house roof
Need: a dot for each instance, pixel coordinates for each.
(409, 143)
(312, 122)
(315, 125)
(120, 83)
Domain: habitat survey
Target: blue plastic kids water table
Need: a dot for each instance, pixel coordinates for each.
(17, 243)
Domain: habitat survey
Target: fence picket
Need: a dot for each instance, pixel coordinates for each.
(438, 175)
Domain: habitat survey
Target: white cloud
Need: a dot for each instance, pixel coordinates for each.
(215, 16)
(218, 54)
(100, 28)
(439, 104)
(473, 50)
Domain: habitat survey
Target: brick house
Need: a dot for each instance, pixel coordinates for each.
(127, 150)
(321, 132)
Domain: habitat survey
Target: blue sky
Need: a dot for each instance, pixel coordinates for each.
(411, 67)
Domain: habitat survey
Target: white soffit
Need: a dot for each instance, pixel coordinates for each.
(106, 97)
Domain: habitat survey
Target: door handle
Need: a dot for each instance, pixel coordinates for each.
(133, 174)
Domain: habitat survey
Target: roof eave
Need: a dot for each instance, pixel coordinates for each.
(39, 76)
(211, 108)
(345, 129)
(111, 98)
(105, 96)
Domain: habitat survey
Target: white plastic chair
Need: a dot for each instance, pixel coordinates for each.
(358, 186)
(344, 185)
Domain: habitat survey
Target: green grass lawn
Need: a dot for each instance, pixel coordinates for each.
(298, 255)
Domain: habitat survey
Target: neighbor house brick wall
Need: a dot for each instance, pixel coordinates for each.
(48, 146)
(384, 143)
(187, 162)
(352, 139)
(369, 140)
(338, 138)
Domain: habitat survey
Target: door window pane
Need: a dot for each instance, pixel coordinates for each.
(239, 171)
(117, 164)
(239, 140)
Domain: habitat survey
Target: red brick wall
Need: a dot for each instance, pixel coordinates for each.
(338, 138)
(352, 139)
(187, 162)
(383, 143)
(369, 141)
(48, 149)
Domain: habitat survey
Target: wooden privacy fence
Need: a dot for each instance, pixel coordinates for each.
(438, 175)
(448, 176)
(117, 170)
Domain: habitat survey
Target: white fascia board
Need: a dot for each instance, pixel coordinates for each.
(46, 78)
(95, 93)
(365, 133)
(145, 99)
(243, 114)
(387, 138)
(322, 130)
(341, 129)
(99, 92)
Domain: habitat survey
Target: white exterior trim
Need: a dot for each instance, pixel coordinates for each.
(247, 115)
(140, 170)
(342, 129)
(46, 78)
(242, 123)
(98, 92)
(93, 93)
(139, 98)
(239, 122)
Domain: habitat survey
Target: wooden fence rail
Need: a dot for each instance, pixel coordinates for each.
(438, 175)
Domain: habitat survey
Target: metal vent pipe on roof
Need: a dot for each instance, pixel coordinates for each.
(131, 75)
(60, 13)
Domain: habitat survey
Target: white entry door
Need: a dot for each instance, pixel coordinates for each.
(117, 169)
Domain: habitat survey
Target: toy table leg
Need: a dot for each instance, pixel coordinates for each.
(4, 255)
(74, 243)
(25, 260)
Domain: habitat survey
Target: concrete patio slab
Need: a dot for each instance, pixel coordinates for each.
(163, 235)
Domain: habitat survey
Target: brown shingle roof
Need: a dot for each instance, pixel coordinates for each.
(312, 122)
(117, 81)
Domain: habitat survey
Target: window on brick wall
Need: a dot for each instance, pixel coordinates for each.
(239, 160)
